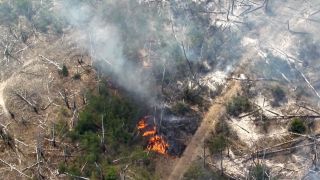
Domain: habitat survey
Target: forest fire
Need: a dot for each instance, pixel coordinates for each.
(142, 124)
(150, 132)
(155, 142)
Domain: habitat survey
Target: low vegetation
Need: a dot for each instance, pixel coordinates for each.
(198, 172)
(220, 140)
(39, 15)
(259, 172)
(180, 108)
(217, 144)
(278, 95)
(297, 126)
(64, 72)
(192, 96)
(238, 105)
(77, 76)
(104, 132)
(262, 121)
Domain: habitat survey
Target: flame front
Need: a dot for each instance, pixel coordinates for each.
(155, 143)
(142, 124)
(150, 133)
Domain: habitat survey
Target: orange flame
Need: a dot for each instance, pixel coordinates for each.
(155, 143)
(150, 133)
(142, 124)
(158, 144)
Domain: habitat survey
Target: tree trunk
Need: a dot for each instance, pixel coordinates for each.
(221, 162)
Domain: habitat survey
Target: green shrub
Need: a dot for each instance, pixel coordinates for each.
(64, 71)
(261, 121)
(238, 105)
(197, 172)
(77, 76)
(62, 168)
(111, 173)
(90, 142)
(61, 127)
(192, 96)
(278, 94)
(180, 108)
(74, 170)
(297, 126)
(258, 172)
(119, 116)
(217, 144)
(222, 128)
(194, 172)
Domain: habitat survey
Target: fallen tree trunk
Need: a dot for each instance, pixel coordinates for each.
(14, 168)
(51, 62)
(294, 116)
(259, 154)
(28, 102)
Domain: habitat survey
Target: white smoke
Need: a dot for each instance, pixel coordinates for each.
(104, 42)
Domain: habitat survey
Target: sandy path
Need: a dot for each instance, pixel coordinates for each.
(2, 100)
(5, 83)
(195, 147)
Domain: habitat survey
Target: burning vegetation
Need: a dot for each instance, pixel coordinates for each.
(89, 76)
(156, 142)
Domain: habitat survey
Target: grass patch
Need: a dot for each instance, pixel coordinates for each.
(238, 105)
(297, 126)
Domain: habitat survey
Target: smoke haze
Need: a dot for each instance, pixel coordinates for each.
(122, 35)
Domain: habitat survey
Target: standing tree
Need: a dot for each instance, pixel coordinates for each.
(217, 145)
(65, 71)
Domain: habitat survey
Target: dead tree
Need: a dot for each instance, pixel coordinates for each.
(188, 61)
(84, 98)
(11, 114)
(13, 167)
(308, 108)
(315, 149)
(65, 153)
(292, 31)
(40, 157)
(64, 95)
(9, 45)
(102, 135)
(74, 118)
(204, 155)
(53, 135)
(232, 6)
(24, 98)
(77, 177)
(99, 169)
(7, 138)
(51, 62)
(229, 9)
(163, 76)
(266, 3)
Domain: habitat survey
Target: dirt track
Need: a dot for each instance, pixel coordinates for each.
(2, 101)
(195, 147)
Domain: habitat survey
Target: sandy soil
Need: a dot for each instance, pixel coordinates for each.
(2, 99)
(195, 146)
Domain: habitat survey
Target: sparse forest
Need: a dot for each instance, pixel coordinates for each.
(158, 89)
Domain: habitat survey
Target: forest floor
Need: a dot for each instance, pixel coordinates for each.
(194, 148)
